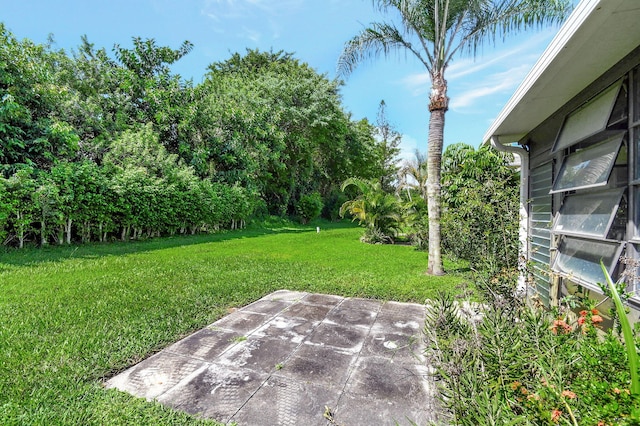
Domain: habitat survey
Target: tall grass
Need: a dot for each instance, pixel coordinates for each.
(72, 316)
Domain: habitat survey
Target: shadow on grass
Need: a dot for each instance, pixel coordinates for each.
(56, 253)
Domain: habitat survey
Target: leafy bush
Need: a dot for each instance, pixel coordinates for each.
(377, 210)
(480, 206)
(507, 362)
(332, 205)
(416, 220)
(310, 206)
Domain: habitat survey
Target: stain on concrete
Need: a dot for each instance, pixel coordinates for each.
(298, 353)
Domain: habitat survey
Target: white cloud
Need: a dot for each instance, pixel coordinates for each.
(256, 17)
(408, 146)
(525, 54)
(501, 82)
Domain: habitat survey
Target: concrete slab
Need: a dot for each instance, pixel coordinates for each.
(217, 392)
(286, 402)
(286, 358)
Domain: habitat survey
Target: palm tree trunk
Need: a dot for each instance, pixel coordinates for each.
(438, 105)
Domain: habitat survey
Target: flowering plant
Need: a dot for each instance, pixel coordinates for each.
(522, 364)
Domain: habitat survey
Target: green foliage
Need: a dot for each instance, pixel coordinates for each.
(120, 147)
(434, 32)
(504, 362)
(413, 188)
(32, 134)
(388, 141)
(310, 206)
(274, 124)
(480, 219)
(632, 356)
(377, 210)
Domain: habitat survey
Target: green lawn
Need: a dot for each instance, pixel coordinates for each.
(73, 316)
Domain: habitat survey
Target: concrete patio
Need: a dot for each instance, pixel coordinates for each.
(295, 358)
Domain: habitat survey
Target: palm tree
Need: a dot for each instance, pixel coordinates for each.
(435, 31)
(413, 174)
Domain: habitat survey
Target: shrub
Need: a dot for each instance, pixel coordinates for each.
(310, 206)
(480, 194)
(377, 210)
(511, 363)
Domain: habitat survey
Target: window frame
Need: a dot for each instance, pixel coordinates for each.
(610, 266)
(618, 194)
(589, 109)
(619, 136)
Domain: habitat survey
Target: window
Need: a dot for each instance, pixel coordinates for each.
(589, 167)
(580, 259)
(593, 117)
(589, 215)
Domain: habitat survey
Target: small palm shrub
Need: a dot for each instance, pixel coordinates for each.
(416, 219)
(374, 208)
(509, 362)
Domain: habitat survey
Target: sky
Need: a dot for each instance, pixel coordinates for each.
(315, 31)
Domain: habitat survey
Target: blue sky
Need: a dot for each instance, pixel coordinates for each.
(315, 31)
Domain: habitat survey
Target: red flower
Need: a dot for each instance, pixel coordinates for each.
(583, 313)
(594, 311)
(555, 415)
(596, 319)
(581, 320)
(568, 394)
(561, 325)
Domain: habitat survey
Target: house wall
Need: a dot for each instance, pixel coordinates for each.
(546, 243)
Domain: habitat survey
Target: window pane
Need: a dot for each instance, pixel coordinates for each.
(588, 167)
(588, 214)
(588, 119)
(580, 259)
(620, 112)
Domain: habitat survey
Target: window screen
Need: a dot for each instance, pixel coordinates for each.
(588, 167)
(590, 215)
(588, 119)
(580, 259)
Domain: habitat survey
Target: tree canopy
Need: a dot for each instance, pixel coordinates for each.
(99, 145)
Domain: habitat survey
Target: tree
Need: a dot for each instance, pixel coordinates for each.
(273, 124)
(388, 141)
(435, 31)
(155, 95)
(413, 174)
(31, 134)
(480, 220)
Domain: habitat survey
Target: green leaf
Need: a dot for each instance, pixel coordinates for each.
(626, 332)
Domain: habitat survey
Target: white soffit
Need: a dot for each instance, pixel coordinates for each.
(597, 35)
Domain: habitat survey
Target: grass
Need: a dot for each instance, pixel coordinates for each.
(73, 316)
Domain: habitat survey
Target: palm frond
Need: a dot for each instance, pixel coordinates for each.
(379, 38)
